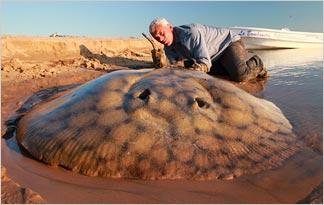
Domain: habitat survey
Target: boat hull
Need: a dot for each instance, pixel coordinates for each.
(261, 43)
(261, 38)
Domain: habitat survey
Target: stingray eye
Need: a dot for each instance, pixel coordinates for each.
(202, 103)
(145, 95)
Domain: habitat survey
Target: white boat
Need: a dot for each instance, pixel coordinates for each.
(262, 38)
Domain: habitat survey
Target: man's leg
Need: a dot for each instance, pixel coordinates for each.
(218, 69)
(239, 66)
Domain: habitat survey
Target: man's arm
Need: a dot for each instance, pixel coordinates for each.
(200, 57)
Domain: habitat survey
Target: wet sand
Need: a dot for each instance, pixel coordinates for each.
(295, 86)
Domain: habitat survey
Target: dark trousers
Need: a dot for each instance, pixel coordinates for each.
(237, 63)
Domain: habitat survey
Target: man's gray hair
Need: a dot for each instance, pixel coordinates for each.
(158, 21)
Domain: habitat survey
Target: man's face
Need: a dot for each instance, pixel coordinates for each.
(163, 34)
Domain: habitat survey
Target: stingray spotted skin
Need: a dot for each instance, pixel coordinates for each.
(158, 124)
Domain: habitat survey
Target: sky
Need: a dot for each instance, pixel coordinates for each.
(131, 18)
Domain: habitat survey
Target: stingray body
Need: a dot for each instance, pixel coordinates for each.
(158, 124)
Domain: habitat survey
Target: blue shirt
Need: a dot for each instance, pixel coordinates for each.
(201, 42)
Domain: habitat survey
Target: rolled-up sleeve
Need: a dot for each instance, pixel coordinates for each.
(197, 44)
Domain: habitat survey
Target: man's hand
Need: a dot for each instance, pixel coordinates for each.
(191, 64)
(159, 58)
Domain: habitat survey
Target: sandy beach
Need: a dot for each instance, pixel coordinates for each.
(30, 64)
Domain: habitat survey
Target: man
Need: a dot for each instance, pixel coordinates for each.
(208, 49)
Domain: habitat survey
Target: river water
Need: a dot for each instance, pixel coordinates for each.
(296, 87)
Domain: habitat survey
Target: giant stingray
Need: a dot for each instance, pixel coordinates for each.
(158, 124)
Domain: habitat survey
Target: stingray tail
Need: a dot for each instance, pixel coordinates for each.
(150, 40)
